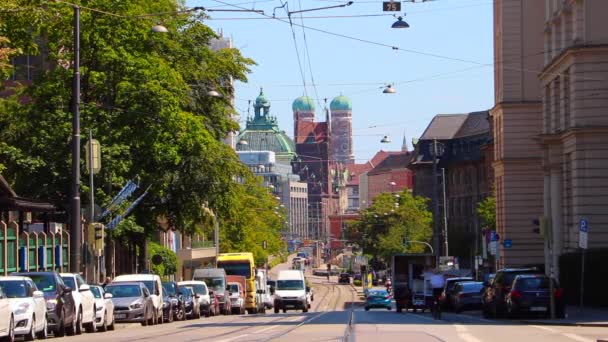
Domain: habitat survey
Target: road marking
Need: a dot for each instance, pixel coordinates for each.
(233, 338)
(578, 338)
(460, 327)
(545, 328)
(265, 329)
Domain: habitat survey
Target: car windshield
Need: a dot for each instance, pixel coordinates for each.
(271, 283)
(234, 288)
(123, 291)
(290, 285)
(215, 283)
(69, 281)
(471, 287)
(184, 291)
(531, 284)
(236, 268)
(510, 276)
(14, 288)
(199, 289)
(170, 289)
(96, 292)
(44, 282)
(378, 293)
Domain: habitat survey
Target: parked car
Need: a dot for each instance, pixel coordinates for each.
(104, 316)
(494, 297)
(7, 319)
(378, 299)
(215, 278)
(155, 287)
(530, 294)
(190, 308)
(132, 303)
(207, 301)
(28, 307)
(448, 287)
(269, 300)
(173, 303)
(357, 276)
(60, 305)
(466, 295)
(344, 278)
(237, 298)
(84, 301)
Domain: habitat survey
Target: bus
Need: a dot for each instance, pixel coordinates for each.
(242, 264)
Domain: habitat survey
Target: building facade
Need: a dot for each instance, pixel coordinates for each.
(574, 140)
(391, 175)
(517, 121)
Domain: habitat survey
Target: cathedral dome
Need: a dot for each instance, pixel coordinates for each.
(303, 104)
(341, 103)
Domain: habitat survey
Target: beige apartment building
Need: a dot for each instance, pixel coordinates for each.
(574, 88)
(517, 121)
(551, 124)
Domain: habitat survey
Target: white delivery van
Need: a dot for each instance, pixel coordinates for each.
(290, 292)
(154, 285)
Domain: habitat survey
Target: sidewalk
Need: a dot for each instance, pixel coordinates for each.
(576, 316)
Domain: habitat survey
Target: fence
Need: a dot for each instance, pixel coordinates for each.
(21, 252)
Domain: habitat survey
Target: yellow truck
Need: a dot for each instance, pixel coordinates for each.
(242, 264)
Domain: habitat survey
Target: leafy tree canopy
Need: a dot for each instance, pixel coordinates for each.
(487, 212)
(382, 227)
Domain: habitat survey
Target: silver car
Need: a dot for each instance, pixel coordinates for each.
(132, 303)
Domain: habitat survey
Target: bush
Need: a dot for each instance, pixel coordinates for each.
(168, 266)
(357, 282)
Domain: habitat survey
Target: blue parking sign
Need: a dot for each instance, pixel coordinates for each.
(584, 226)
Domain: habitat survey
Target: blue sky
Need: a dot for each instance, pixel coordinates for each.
(458, 31)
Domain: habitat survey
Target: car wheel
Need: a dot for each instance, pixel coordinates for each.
(71, 330)
(276, 310)
(91, 327)
(44, 333)
(367, 308)
(104, 322)
(389, 308)
(61, 330)
(79, 323)
(208, 312)
(284, 310)
(32, 334)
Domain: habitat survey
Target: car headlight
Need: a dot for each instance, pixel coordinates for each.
(99, 308)
(50, 304)
(302, 297)
(22, 308)
(136, 306)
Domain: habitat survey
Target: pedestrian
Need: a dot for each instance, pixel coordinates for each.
(106, 282)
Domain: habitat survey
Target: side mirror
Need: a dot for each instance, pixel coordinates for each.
(197, 296)
(307, 288)
(67, 289)
(260, 291)
(38, 294)
(84, 287)
(107, 296)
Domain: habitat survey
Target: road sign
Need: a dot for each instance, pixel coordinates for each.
(494, 236)
(582, 233)
(493, 247)
(93, 155)
(391, 6)
(507, 243)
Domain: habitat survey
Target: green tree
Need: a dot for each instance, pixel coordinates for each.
(486, 210)
(382, 227)
(168, 266)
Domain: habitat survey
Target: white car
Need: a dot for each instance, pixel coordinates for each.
(83, 300)
(104, 316)
(7, 319)
(200, 289)
(28, 305)
(155, 287)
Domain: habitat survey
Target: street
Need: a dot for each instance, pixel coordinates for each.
(334, 306)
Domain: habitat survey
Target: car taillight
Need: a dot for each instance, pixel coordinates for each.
(558, 293)
(515, 294)
(461, 295)
(387, 296)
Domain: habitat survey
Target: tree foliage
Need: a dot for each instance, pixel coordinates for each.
(144, 98)
(382, 227)
(169, 264)
(486, 210)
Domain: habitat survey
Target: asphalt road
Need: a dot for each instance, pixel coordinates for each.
(328, 320)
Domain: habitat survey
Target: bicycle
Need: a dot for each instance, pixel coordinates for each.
(436, 306)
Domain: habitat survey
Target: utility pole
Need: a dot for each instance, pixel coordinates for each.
(445, 212)
(75, 222)
(435, 204)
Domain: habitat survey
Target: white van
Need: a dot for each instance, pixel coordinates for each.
(290, 291)
(154, 285)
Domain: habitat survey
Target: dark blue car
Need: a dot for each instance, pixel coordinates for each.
(378, 299)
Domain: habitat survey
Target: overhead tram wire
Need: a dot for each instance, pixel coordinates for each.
(312, 77)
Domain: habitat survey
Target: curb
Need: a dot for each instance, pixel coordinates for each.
(567, 324)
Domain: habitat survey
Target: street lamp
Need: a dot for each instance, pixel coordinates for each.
(400, 23)
(213, 93)
(242, 142)
(389, 89)
(436, 152)
(386, 139)
(159, 29)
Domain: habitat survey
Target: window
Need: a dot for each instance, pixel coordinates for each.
(566, 99)
(555, 117)
(547, 113)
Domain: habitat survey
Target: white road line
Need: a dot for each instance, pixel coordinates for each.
(265, 329)
(469, 338)
(578, 338)
(460, 328)
(545, 328)
(232, 338)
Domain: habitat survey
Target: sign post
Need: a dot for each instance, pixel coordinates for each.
(582, 243)
(391, 6)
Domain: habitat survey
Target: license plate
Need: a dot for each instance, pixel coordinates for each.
(289, 306)
(538, 308)
(121, 316)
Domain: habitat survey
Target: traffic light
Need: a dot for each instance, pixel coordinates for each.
(99, 236)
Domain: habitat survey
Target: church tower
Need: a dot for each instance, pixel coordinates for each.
(303, 111)
(342, 130)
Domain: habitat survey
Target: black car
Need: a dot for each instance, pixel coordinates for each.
(493, 299)
(448, 287)
(191, 310)
(173, 304)
(344, 278)
(466, 295)
(60, 307)
(530, 294)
